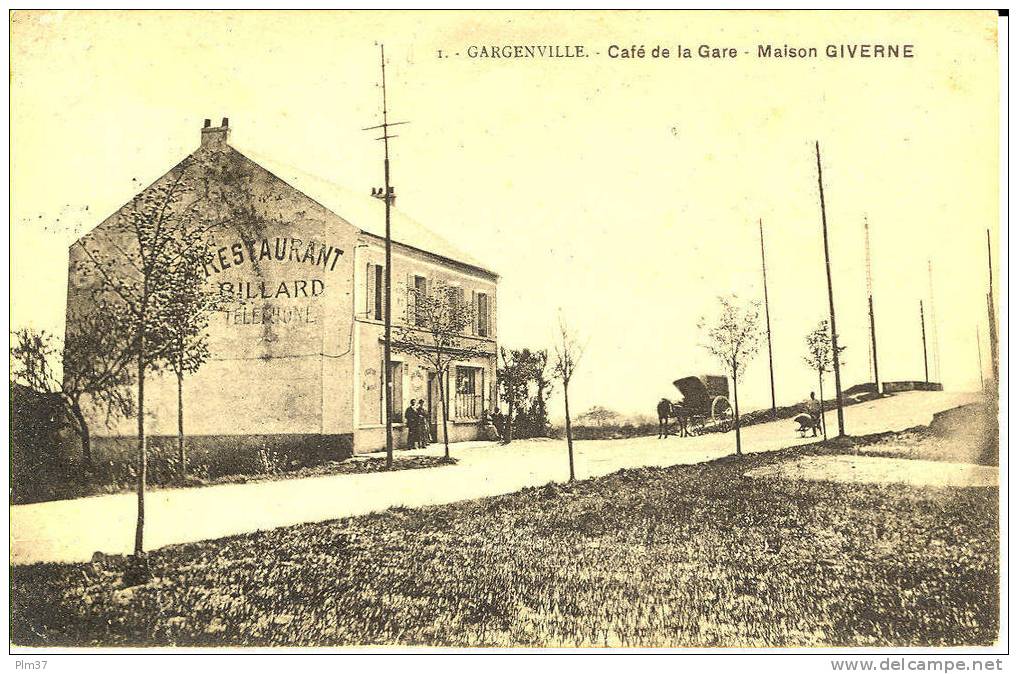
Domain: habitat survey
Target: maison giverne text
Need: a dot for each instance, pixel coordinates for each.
(846, 51)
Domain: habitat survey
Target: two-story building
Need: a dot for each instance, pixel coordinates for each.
(296, 350)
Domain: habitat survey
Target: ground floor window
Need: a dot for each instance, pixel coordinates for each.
(396, 372)
(469, 392)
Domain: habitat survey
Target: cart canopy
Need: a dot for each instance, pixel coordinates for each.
(698, 392)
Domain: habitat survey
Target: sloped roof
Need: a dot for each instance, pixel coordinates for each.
(365, 212)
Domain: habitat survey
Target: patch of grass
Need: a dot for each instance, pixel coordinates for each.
(351, 466)
(198, 478)
(684, 556)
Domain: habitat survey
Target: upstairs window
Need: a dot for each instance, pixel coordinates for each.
(481, 313)
(420, 290)
(456, 295)
(375, 280)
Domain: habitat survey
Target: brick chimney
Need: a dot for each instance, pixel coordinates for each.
(215, 136)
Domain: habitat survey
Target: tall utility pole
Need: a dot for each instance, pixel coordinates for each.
(979, 358)
(869, 297)
(993, 316)
(922, 325)
(387, 196)
(830, 299)
(767, 312)
(934, 335)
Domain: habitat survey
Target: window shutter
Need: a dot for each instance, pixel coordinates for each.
(458, 295)
(405, 383)
(381, 290)
(455, 396)
(399, 301)
(411, 301)
(369, 285)
(473, 312)
(490, 314)
(482, 392)
(481, 314)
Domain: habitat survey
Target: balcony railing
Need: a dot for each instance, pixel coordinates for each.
(468, 406)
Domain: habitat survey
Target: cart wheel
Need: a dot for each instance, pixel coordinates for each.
(722, 414)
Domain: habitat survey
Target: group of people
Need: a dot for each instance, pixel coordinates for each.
(494, 425)
(418, 425)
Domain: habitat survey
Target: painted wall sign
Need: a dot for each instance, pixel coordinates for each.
(270, 290)
(278, 249)
(264, 302)
(270, 315)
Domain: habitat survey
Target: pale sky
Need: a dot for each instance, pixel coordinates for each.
(624, 192)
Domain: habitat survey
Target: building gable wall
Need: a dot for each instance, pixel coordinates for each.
(280, 346)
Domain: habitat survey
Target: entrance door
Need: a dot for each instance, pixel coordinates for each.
(434, 404)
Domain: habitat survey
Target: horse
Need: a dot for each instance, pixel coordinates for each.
(667, 410)
(664, 411)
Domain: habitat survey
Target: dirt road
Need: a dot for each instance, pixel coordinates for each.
(71, 531)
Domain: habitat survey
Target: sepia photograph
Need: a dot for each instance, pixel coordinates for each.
(515, 331)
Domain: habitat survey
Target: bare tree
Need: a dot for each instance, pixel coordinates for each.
(819, 357)
(568, 353)
(442, 318)
(137, 263)
(734, 338)
(93, 366)
(187, 318)
(599, 415)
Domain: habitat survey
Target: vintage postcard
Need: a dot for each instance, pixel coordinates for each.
(508, 329)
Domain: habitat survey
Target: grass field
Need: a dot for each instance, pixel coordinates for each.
(683, 556)
(93, 485)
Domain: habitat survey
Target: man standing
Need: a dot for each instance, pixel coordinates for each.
(423, 425)
(498, 421)
(412, 426)
(814, 410)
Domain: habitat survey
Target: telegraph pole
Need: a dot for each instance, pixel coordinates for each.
(869, 297)
(387, 196)
(767, 313)
(979, 357)
(934, 336)
(992, 314)
(922, 325)
(830, 299)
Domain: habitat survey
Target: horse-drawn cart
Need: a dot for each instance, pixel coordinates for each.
(704, 404)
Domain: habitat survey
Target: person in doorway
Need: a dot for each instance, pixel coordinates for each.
(412, 426)
(423, 425)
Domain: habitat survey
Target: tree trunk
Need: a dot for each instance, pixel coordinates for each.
(508, 435)
(83, 434)
(569, 434)
(823, 412)
(181, 455)
(445, 413)
(738, 431)
(139, 531)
